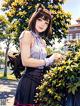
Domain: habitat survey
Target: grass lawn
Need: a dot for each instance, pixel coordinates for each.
(9, 76)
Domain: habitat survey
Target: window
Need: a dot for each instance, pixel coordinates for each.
(77, 35)
(73, 36)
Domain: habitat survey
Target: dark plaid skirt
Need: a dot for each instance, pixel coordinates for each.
(26, 90)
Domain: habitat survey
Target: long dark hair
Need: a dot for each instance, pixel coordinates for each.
(14, 61)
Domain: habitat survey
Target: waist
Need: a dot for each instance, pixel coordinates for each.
(34, 74)
(33, 70)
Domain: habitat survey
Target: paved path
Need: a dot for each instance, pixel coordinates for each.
(7, 92)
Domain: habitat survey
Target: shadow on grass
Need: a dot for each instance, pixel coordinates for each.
(9, 76)
(7, 88)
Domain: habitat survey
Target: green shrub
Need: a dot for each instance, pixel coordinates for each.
(63, 78)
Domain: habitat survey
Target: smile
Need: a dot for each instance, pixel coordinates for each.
(40, 28)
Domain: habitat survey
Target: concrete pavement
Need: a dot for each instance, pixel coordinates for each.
(7, 92)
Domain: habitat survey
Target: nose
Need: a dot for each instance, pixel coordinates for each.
(43, 23)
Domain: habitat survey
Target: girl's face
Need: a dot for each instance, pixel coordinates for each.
(41, 25)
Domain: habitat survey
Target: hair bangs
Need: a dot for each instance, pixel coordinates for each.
(44, 16)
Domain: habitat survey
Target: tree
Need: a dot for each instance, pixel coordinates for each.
(1, 57)
(19, 12)
(5, 35)
(3, 25)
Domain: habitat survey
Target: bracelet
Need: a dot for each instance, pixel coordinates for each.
(49, 61)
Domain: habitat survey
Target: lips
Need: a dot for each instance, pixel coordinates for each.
(40, 28)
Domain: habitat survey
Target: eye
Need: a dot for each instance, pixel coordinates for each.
(39, 19)
(46, 23)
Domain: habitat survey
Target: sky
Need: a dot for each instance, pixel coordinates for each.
(73, 6)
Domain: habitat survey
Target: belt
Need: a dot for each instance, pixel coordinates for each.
(33, 78)
(42, 70)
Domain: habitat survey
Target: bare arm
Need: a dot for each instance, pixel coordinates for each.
(25, 43)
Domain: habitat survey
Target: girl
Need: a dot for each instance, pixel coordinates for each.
(34, 56)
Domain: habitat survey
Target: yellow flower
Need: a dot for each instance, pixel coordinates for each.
(21, 13)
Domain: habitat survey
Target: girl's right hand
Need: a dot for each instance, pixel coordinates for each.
(57, 56)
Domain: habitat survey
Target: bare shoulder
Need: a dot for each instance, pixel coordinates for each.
(25, 34)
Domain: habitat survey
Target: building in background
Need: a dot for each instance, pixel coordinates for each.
(73, 35)
(74, 31)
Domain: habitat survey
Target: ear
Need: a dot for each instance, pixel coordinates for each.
(39, 7)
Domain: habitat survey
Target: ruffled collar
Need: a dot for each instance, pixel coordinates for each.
(35, 35)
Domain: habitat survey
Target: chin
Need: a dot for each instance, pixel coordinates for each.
(40, 31)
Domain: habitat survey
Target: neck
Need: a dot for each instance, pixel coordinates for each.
(36, 32)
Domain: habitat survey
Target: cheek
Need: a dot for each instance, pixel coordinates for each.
(46, 27)
(37, 23)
